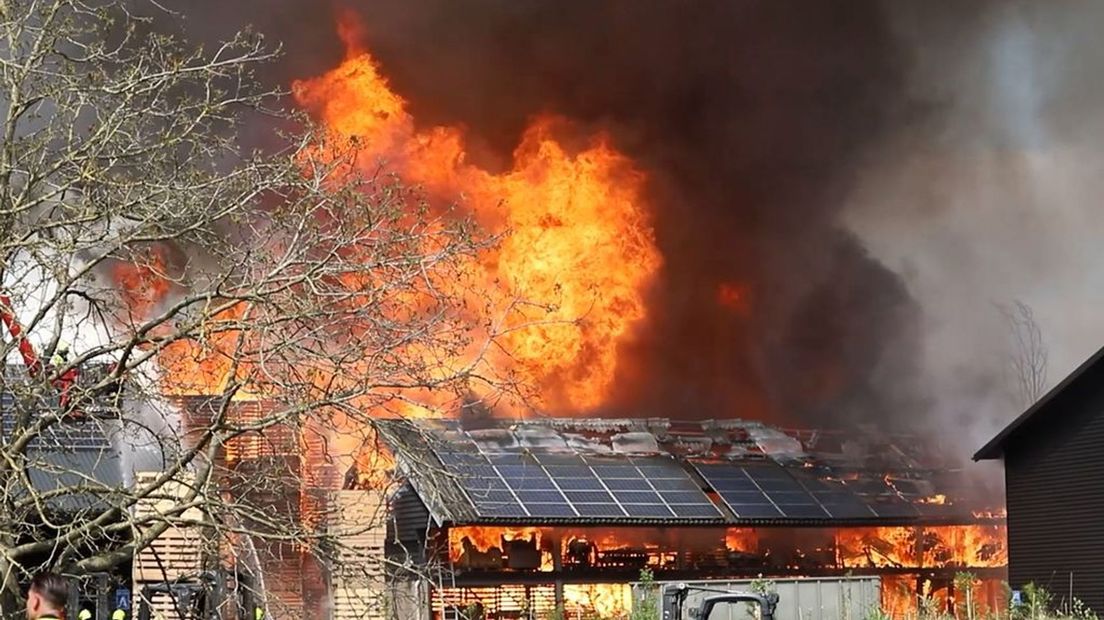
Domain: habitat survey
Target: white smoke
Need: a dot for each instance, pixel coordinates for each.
(993, 197)
(152, 429)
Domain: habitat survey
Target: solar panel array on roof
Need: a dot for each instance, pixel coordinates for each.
(552, 485)
(522, 472)
(766, 490)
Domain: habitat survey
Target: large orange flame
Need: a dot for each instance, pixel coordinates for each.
(577, 246)
(965, 546)
(598, 600)
(142, 281)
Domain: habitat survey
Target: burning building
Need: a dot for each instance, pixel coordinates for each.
(449, 518)
(522, 518)
(614, 287)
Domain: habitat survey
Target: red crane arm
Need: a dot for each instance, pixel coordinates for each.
(26, 349)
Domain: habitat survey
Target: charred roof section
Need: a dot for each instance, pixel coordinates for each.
(655, 471)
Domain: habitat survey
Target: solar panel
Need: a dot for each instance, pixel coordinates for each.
(734, 484)
(475, 471)
(460, 458)
(770, 490)
(839, 501)
(599, 510)
(491, 496)
(694, 510)
(654, 471)
(616, 471)
(530, 480)
(894, 509)
(758, 491)
(500, 510)
(790, 497)
(580, 484)
(537, 497)
(521, 471)
(622, 484)
(684, 497)
(802, 511)
(558, 485)
(648, 510)
(756, 511)
(482, 485)
(569, 471)
(638, 497)
(550, 510)
(685, 484)
(590, 497)
(849, 511)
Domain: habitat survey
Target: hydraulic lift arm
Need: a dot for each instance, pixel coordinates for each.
(64, 382)
(26, 349)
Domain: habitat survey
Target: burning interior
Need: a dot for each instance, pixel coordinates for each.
(578, 508)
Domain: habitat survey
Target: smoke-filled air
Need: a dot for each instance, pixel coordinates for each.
(820, 217)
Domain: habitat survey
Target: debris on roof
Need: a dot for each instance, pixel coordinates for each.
(655, 471)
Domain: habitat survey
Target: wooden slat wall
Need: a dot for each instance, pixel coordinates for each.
(357, 581)
(176, 552)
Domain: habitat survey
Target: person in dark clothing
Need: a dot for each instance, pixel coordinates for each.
(47, 596)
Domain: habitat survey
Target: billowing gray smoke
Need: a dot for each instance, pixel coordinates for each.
(994, 196)
(800, 154)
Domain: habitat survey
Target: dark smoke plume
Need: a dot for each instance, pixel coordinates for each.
(749, 117)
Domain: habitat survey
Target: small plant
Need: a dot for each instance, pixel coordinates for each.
(762, 586)
(965, 603)
(1079, 611)
(1036, 602)
(646, 607)
(877, 614)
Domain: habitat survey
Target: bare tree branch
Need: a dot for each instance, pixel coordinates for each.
(1028, 363)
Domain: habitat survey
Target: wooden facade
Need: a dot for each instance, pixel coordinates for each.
(1054, 477)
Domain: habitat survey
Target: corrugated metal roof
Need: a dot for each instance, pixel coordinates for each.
(73, 461)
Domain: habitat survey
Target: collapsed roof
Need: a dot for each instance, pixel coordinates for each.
(655, 471)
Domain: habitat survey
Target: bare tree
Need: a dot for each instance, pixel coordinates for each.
(229, 322)
(1028, 363)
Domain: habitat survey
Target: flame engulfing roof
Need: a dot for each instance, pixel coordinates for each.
(655, 471)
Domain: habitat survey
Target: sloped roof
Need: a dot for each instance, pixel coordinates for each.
(994, 449)
(655, 471)
(75, 456)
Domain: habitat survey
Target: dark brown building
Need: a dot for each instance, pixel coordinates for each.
(1054, 477)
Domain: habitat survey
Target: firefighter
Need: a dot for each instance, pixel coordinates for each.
(47, 597)
(84, 614)
(61, 354)
(258, 613)
(118, 614)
